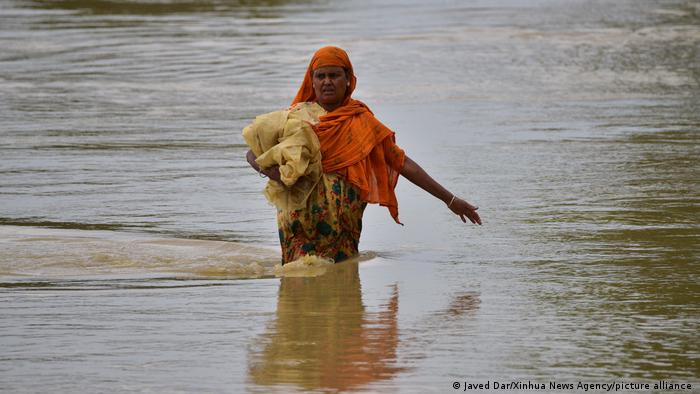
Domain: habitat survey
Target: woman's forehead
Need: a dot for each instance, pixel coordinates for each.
(328, 69)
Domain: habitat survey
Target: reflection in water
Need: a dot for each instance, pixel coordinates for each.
(465, 304)
(324, 338)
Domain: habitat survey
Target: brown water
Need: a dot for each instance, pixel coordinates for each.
(137, 252)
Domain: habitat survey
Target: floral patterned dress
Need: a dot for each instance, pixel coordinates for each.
(328, 227)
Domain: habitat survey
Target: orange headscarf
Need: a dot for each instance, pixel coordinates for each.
(353, 142)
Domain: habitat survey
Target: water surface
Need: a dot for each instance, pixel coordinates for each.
(137, 251)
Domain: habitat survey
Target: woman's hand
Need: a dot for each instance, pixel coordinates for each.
(273, 173)
(463, 208)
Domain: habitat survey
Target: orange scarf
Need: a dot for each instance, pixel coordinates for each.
(353, 142)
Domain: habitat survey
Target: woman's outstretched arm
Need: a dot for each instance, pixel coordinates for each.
(414, 173)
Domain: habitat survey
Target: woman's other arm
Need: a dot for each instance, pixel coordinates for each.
(417, 175)
(272, 172)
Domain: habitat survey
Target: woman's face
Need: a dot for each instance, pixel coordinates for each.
(330, 84)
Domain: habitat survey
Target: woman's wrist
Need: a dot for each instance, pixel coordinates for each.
(446, 196)
(451, 201)
(250, 157)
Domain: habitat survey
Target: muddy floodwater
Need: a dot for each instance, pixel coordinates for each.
(138, 254)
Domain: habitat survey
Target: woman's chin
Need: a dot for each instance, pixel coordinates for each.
(329, 103)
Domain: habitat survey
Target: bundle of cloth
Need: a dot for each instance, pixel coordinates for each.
(287, 139)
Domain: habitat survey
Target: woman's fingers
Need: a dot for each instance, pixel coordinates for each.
(472, 215)
(273, 173)
(477, 218)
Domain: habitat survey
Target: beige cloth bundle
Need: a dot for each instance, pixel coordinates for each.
(285, 138)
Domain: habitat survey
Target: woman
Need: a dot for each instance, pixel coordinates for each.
(361, 164)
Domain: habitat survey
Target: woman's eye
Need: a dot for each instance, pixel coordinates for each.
(321, 77)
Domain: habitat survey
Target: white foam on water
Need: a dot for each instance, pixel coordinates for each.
(307, 266)
(34, 252)
(311, 265)
(41, 252)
